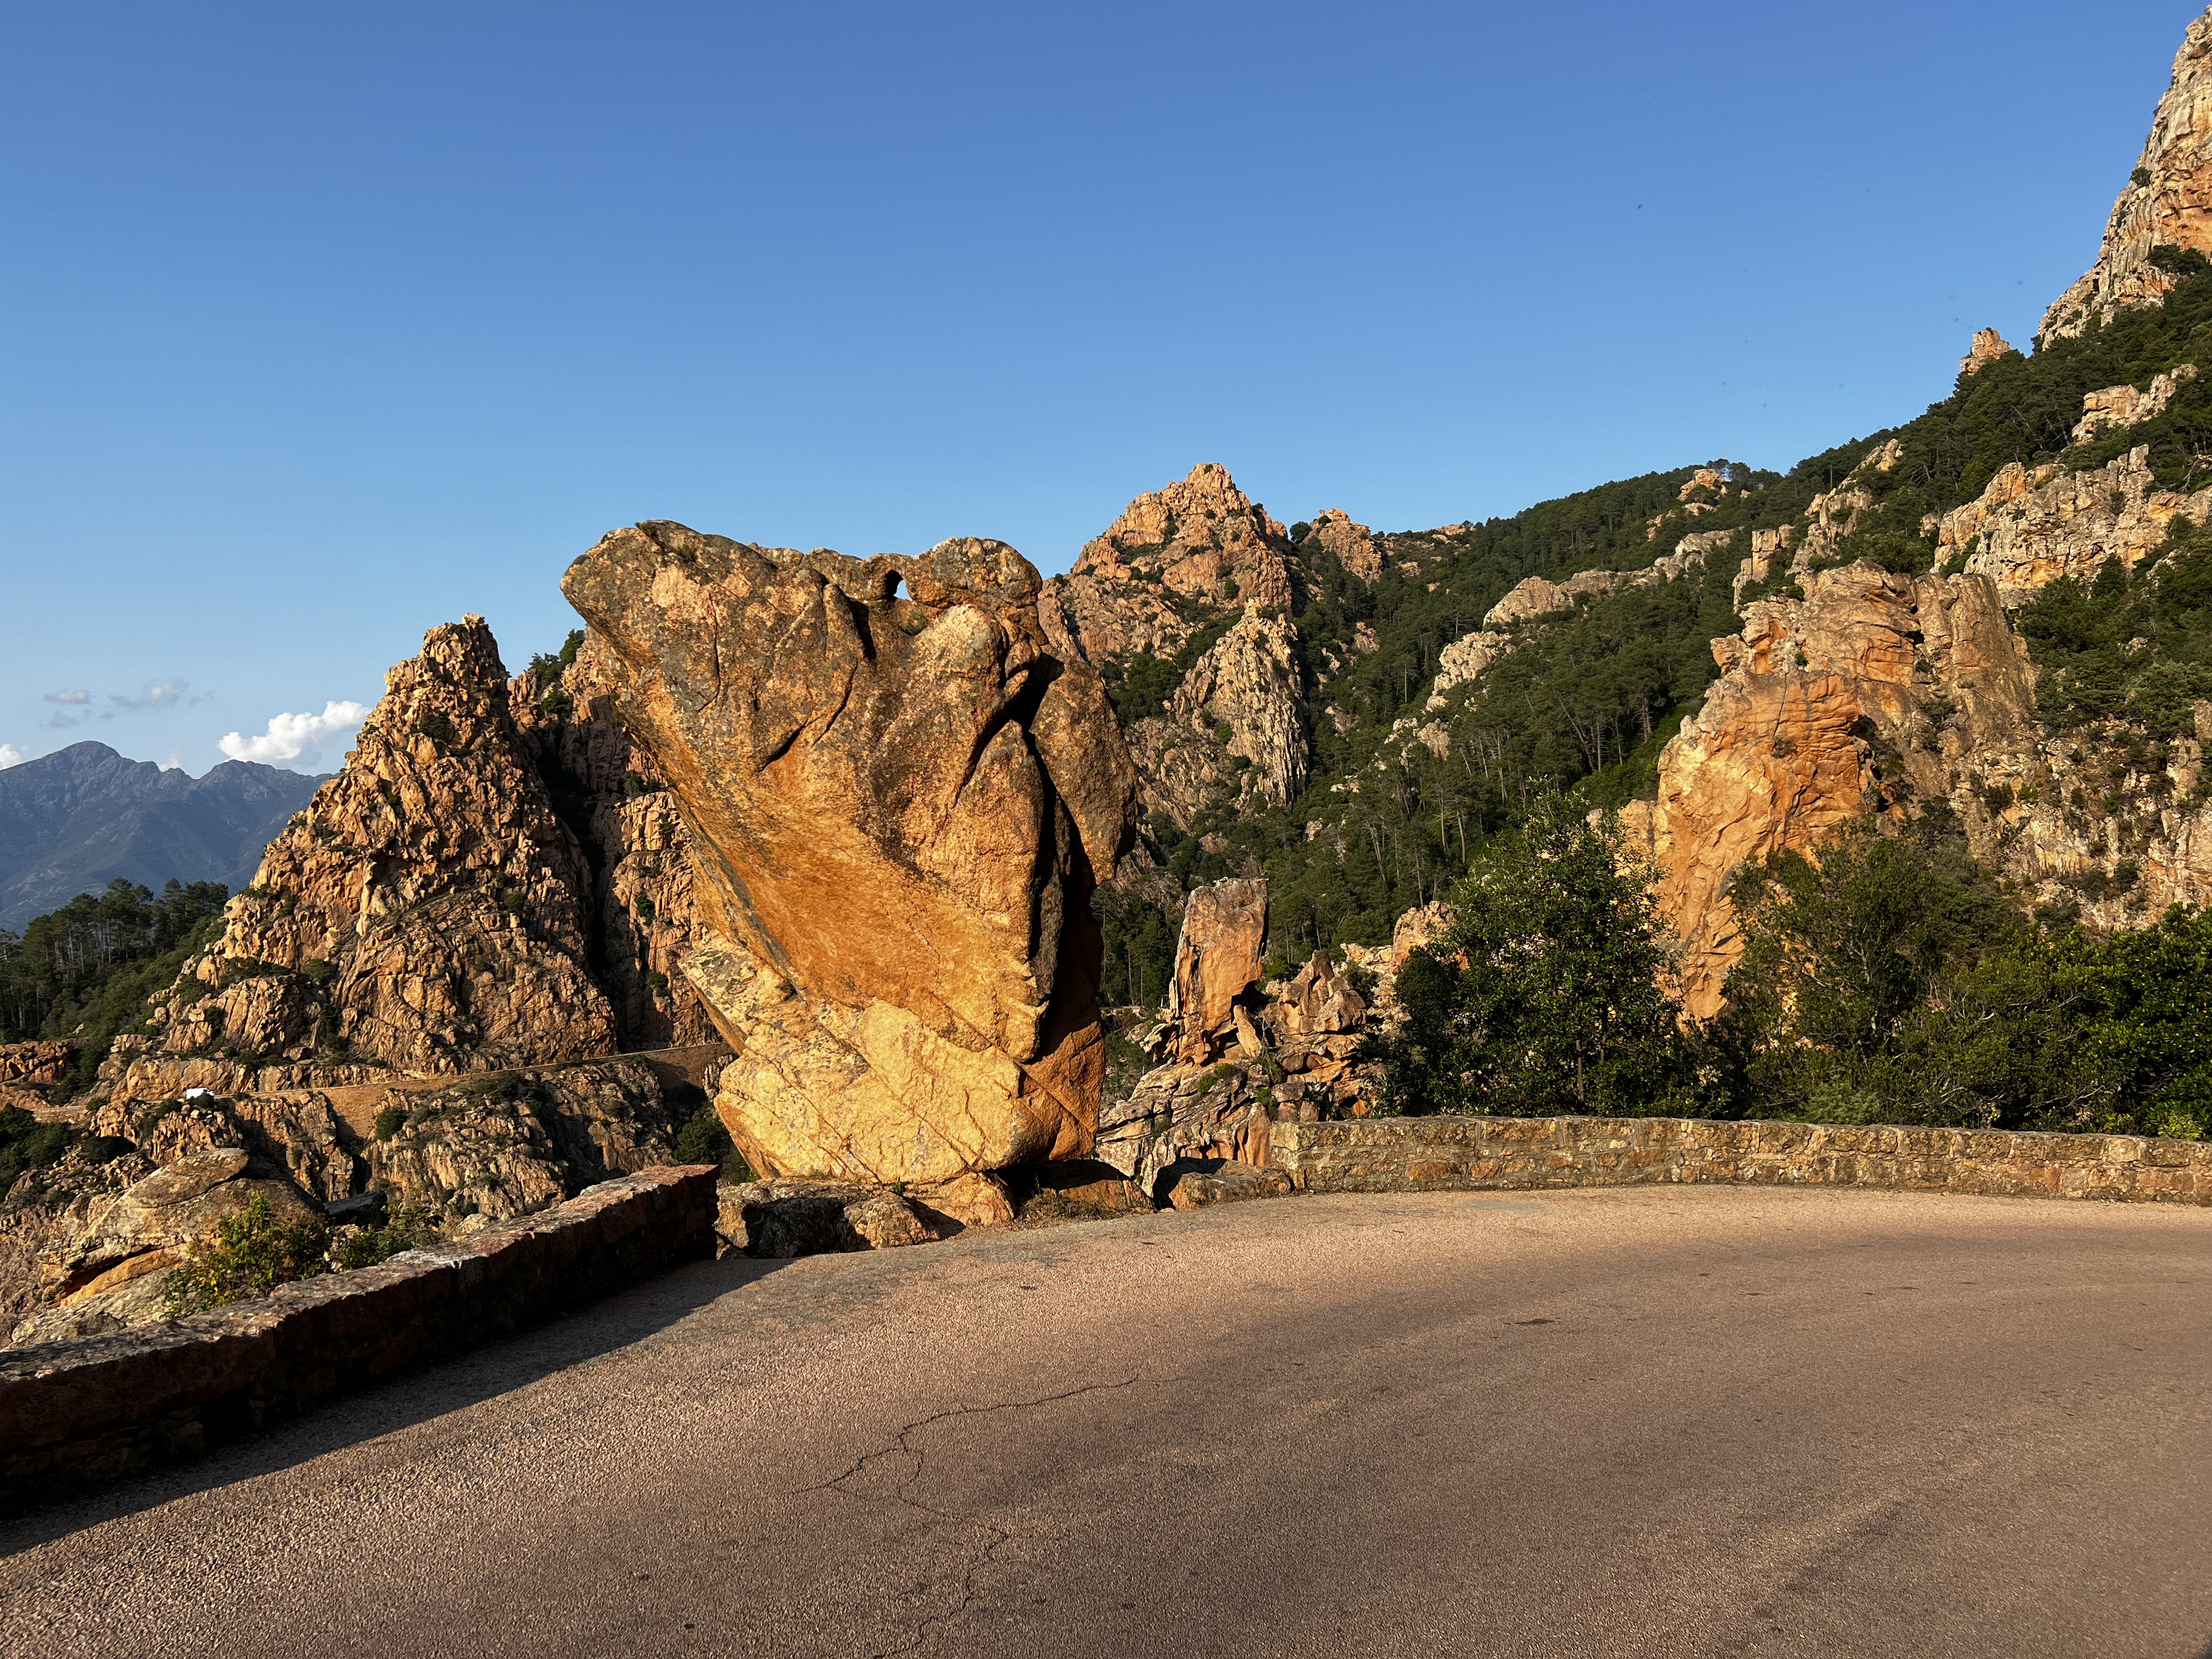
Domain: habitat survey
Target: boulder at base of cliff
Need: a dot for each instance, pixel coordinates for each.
(1082, 1189)
(1193, 1185)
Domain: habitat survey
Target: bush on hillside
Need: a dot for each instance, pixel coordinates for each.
(251, 1254)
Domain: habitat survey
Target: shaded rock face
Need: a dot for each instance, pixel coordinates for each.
(1181, 1111)
(2167, 201)
(1150, 581)
(897, 809)
(1354, 544)
(642, 911)
(425, 913)
(101, 1256)
(517, 1142)
(1234, 730)
(1220, 1180)
(1780, 756)
(88, 1251)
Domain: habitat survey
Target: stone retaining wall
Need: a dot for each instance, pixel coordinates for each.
(1426, 1154)
(76, 1413)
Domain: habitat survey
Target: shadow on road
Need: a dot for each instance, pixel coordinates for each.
(451, 1385)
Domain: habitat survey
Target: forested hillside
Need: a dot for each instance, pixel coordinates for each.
(1413, 777)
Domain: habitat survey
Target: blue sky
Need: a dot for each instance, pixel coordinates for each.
(324, 324)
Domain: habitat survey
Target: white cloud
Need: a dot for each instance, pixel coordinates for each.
(69, 697)
(11, 756)
(290, 735)
(158, 693)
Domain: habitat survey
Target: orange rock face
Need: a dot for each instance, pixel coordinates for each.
(1989, 345)
(425, 913)
(1779, 756)
(1198, 546)
(2167, 201)
(1218, 960)
(897, 809)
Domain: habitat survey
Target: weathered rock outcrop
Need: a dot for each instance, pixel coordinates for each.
(1463, 661)
(1315, 1022)
(1235, 729)
(1217, 964)
(103, 1255)
(1172, 561)
(29, 1071)
(1352, 546)
(2116, 407)
(426, 913)
(1534, 596)
(1989, 345)
(2028, 529)
(897, 809)
(513, 1143)
(1780, 756)
(35, 1063)
(1766, 546)
(2167, 201)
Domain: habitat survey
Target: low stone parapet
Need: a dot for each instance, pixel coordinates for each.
(1427, 1154)
(74, 1414)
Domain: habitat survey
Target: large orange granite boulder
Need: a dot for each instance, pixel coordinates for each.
(897, 806)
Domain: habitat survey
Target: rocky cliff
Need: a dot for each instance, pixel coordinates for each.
(426, 912)
(1234, 732)
(898, 807)
(495, 887)
(1921, 671)
(642, 915)
(2168, 203)
(1175, 559)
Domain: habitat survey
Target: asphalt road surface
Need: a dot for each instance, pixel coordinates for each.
(1660, 1422)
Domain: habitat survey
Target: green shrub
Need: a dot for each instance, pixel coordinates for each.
(322, 972)
(25, 1144)
(703, 1139)
(434, 725)
(1543, 996)
(390, 1122)
(250, 1255)
(409, 1229)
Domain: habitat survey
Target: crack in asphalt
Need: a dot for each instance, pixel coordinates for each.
(901, 1492)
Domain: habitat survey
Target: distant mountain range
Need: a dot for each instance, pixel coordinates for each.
(75, 820)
